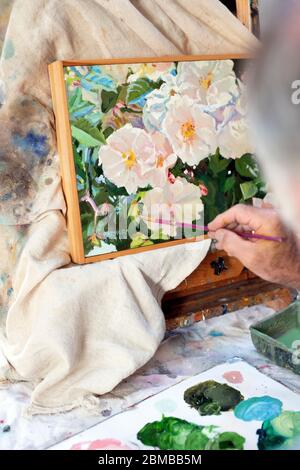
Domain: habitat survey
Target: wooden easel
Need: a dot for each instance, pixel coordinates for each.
(243, 12)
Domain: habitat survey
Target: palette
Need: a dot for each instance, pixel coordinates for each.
(278, 337)
(120, 431)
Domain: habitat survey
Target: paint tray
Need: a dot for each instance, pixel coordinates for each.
(278, 337)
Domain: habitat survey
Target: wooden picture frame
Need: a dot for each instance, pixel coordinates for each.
(65, 149)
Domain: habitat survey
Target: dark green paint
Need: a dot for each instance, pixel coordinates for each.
(210, 397)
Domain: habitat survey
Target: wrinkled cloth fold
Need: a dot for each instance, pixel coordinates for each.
(75, 332)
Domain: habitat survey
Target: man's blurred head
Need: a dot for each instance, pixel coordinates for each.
(275, 107)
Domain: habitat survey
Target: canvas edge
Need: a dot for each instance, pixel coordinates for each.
(65, 152)
(166, 58)
(130, 251)
(64, 143)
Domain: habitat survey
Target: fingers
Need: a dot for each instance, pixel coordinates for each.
(235, 246)
(239, 215)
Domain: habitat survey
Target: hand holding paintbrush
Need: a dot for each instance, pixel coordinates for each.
(259, 239)
(205, 228)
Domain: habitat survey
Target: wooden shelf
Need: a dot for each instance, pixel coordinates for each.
(203, 295)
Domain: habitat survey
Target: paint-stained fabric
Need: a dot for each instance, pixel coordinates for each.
(76, 332)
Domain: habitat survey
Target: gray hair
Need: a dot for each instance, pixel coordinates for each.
(274, 102)
(274, 94)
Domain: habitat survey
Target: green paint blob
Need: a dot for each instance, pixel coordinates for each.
(289, 337)
(210, 397)
(9, 49)
(177, 434)
(281, 432)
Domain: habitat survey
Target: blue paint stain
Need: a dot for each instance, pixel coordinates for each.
(10, 291)
(224, 309)
(34, 143)
(6, 197)
(215, 333)
(258, 409)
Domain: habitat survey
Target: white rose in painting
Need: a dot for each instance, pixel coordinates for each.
(154, 111)
(236, 109)
(242, 101)
(165, 159)
(233, 131)
(190, 130)
(179, 202)
(222, 92)
(234, 138)
(127, 157)
(209, 82)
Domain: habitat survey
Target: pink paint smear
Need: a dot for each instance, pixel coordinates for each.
(234, 377)
(100, 444)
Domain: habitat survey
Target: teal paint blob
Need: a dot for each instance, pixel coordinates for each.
(281, 433)
(9, 49)
(215, 333)
(258, 409)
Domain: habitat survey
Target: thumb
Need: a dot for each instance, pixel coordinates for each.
(234, 245)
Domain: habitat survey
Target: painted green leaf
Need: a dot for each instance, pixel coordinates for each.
(229, 183)
(122, 93)
(218, 163)
(100, 194)
(86, 134)
(87, 223)
(248, 189)
(246, 166)
(138, 89)
(211, 183)
(107, 132)
(139, 241)
(109, 99)
(74, 100)
(178, 169)
(80, 169)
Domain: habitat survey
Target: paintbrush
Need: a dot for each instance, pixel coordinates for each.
(204, 228)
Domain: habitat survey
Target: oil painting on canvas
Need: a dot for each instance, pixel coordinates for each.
(159, 149)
